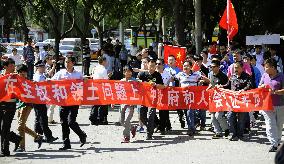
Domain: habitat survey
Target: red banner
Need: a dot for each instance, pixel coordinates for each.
(102, 92)
(252, 100)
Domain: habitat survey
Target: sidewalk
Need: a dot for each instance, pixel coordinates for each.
(104, 146)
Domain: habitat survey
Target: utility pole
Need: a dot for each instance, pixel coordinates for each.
(197, 27)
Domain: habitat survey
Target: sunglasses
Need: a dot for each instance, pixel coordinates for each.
(158, 63)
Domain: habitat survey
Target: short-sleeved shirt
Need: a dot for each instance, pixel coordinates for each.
(29, 54)
(246, 68)
(63, 74)
(173, 72)
(275, 83)
(166, 77)
(39, 77)
(100, 72)
(17, 58)
(186, 80)
(242, 82)
(155, 77)
(218, 79)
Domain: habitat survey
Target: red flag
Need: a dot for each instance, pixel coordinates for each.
(177, 52)
(195, 67)
(229, 20)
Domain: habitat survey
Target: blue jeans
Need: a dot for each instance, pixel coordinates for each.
(190, 114)
(237, 122)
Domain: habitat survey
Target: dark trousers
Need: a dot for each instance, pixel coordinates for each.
(148, 121)
(237, 122)
(41, 121)
(98, 113)
(164, 120)
(181, 114)
(7, 112)
(86, 65)
(30, 66)
(68, 115)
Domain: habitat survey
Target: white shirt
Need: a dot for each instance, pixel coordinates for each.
(42, 55)
(166, 77)
(99, 72)
(17, 58)
(259, 58)
(63, 74)
(188, 80)
(110, 62)
(133, 51)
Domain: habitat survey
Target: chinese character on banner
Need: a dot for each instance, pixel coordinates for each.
(134, 90)
(27, 89)
(77, 91)
(107, 91)
(217, 98)
(9, 87)
(59, 92)
(41, 92)
(173, 97)
(93, 89)
(203, 99)
(256, 100)
(234, 101)
(153, 94)
(246, 100)
(188, 97)
(120, 91)
(160, 97)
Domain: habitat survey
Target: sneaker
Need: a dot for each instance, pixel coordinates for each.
(227, 133)
(217, 136)
(234, 138)
(133, 131)
(125, 140)
(65, 147)
(272, 149)
(168, 128)
(20, 150)
(141, 130)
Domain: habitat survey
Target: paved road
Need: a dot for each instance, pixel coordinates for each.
(104, 146)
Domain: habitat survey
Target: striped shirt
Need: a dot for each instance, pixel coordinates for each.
(188, 80)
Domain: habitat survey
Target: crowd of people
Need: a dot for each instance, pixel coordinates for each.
(233, 68)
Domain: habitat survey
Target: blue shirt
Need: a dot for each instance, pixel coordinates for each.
(39, 77)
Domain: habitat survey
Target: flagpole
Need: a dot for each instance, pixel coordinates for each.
(228, 17)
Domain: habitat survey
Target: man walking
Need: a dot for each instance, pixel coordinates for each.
(68, 114)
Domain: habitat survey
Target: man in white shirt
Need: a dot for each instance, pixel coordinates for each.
(68, 114)
(15, 56)
(99, 113)
(259, 55)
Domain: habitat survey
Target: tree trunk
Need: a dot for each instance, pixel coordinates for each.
(198, 29)
(179, 17)
(21, 15)
(56, 49)
(100, 35)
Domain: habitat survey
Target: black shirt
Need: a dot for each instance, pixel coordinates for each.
(218, 79)
(239, 83)
(156, 77)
